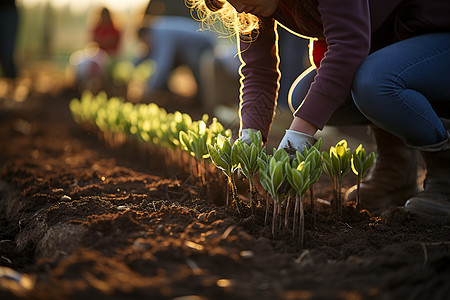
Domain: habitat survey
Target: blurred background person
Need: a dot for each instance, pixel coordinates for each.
(9, 19)
(106, 34)
(215, 71)
(173, 41)
(94, 63)
(217, 68)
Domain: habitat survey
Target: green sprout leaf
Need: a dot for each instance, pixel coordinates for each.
(298, 177)
(217, 159)
(361, 162)
(272, 173)
(223, 155)
(338, 161)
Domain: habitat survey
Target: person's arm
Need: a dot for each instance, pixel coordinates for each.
(347, 31)
(259, 79)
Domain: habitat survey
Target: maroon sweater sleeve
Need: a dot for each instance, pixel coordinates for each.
(347, 32)
(259, 79)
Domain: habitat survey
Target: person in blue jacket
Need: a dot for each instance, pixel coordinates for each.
(173, 41)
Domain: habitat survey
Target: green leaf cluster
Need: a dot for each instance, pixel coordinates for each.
(224, 155)
(152, 124)
(272, 173)
(86, 109)
(248, 154)
(299, 177)
(125, 71)
(195, 139)
(147, 122)
(361, 162)
(194, 142)
(313, 157)
(337, 162)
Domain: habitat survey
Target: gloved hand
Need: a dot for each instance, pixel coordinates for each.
(292, 142)
(296, 141)
(245, 135)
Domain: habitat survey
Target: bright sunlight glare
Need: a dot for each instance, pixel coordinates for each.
(80, 6)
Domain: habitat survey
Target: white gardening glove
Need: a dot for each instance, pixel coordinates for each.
(296, 141)
(245, 136)
(292, 142)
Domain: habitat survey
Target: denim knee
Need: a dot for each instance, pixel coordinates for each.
(368, 85)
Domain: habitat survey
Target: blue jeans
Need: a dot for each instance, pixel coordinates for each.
(346, 114)
(404, 88)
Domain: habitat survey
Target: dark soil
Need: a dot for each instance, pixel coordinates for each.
(82, 221)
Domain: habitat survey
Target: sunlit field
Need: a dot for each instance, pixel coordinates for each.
(111, 188)
(56, 28)
(51, 32)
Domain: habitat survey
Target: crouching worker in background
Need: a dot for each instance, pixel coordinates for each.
(385, 61)
(171, 42)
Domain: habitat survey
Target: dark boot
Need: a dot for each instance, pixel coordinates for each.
(433, 203)
(393, 178)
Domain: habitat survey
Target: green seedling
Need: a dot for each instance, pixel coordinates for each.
(298, 177)
(145, 121)
(216, 128)
(171, 127)
(194, 142)
(361, 162)
(337, 164)
(265, 158)
(285, 189)
(125, 72)
(85, 110)
(272, 177)
(224, 156)
(248, 159)
(313, 157)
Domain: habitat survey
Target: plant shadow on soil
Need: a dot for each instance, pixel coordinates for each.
(80, 221)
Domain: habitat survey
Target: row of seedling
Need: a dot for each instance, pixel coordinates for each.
(196, 144)
(152, 132)
(287, 179)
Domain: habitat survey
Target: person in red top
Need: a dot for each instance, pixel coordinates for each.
(389, 58)
(94, 62)
(106, 34)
